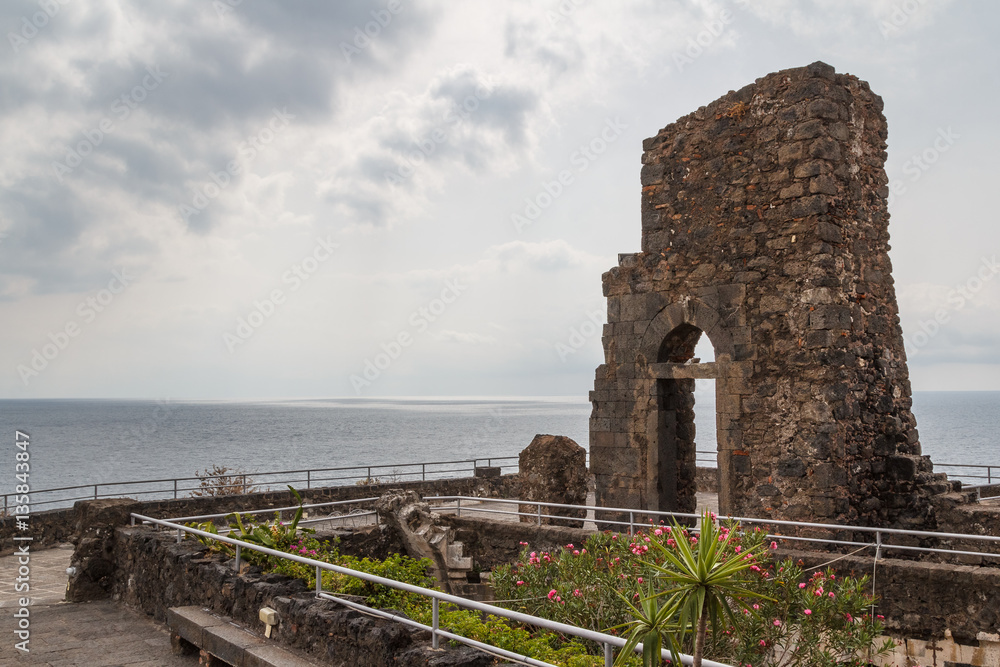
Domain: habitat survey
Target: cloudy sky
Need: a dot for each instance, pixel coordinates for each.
(259, 199)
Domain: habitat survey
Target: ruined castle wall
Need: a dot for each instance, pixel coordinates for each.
(764, 226)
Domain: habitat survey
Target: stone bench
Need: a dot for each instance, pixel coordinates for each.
(193, 628)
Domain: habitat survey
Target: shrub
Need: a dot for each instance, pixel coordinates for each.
(809, 618)
(223, 481)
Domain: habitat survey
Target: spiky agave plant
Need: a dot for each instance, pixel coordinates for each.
(651, 622)
(701, 580)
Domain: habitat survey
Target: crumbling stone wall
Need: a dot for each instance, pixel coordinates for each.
(764, 227)
(553, 469)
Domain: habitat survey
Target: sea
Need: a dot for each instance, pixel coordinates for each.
(86, 442)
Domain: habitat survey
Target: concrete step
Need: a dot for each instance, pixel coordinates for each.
(223, 640)
(455, 559)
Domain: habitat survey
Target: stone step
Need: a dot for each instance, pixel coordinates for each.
(223, 640)
(455, 559)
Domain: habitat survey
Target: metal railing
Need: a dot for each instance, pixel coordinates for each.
(985, 475)
(437, 597)
(176, 487)
(879, 535)
(992, 475)
(307, 507)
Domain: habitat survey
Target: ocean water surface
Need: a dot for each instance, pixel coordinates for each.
(99, 441)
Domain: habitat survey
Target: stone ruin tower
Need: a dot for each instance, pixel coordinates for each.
(764, 227)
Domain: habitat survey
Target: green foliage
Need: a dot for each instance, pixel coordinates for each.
(578, 584)
(498, 632)
(702, 576)
(651, 621)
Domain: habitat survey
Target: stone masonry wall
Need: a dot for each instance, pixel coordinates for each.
(153, 573)
(764, 227)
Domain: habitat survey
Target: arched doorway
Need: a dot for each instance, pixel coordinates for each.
(675, 424)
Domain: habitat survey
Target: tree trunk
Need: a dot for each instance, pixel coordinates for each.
(699, 640)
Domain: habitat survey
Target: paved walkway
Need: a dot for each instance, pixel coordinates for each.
(91, 634)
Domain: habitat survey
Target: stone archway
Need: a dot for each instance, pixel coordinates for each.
(765, 227)
(671, 434)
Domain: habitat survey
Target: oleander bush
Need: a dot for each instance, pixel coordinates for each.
(792, 617)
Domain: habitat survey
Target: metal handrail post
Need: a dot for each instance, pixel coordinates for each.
(236, 563)
(631, 523)
(435, 641)
(609, 658)
(458, 507)
(175, 489)
(95, 492)
(180, 535)
(308, 479)
(538, 514)
(319, 580)
(423, 477)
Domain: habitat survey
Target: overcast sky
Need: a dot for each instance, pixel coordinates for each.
(258, 199)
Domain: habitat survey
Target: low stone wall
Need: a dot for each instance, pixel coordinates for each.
(929, 603)
(56, 526)
(153, 573)
(707, 480)
(493, 543)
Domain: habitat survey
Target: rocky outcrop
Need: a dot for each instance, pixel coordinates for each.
(553, 469)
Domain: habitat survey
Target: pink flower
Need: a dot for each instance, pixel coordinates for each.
(520, 583)
(802, 585)
(575, 552)
(614, 537)
(808, 612)
(763, 643)
(657, 532)
(552, 593)
(777, 623)
(576, 592)
(639, 580)
(569, 546)
(774, 545)
(756, 606)
(523, 544)
(832, 595)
